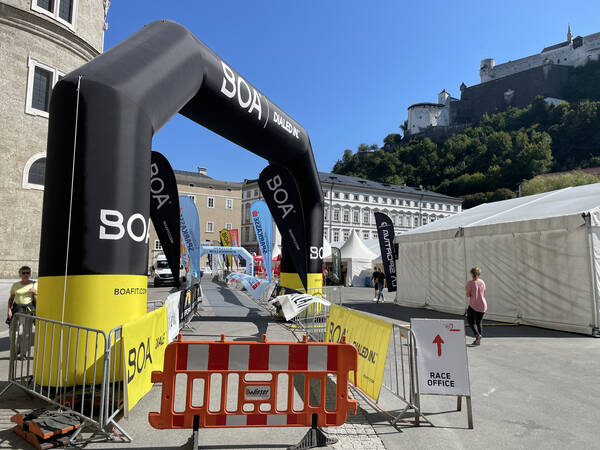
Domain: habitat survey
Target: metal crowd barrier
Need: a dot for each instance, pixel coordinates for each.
(400, 375)
(80, 382)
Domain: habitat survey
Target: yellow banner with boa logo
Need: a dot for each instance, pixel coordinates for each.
(144, 343)
(370, 336)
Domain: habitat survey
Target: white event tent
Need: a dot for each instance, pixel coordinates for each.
(539, 257)
(358, 259)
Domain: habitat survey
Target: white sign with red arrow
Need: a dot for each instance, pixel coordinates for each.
(442, 365)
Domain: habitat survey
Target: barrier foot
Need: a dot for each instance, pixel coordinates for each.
(315, 437)
(195, 432)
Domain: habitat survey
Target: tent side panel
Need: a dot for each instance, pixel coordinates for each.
(413, 274)
(555, 279)
(447, 275)
(495, 256)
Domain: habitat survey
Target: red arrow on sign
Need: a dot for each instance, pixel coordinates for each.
(439, 341)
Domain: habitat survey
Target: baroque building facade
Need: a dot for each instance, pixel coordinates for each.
(41, 41)
(350, 204)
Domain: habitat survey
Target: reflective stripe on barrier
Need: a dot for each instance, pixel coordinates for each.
(244, 383)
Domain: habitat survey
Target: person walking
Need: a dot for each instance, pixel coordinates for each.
(374, 283)
(379, 278)
(477, 304)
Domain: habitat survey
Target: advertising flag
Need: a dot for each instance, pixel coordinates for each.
(263, 227)
(164, 210)
(281, 194)
(226, 242)
(190, 232)
(336, 264)
(385, 231)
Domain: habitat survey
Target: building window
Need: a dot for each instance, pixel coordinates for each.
(157, 245)
(40, 81)
(375, 199)
(326, 213)
(193, 197)
(60, 10)
(336, 235)
(356, 217)
(346, 216)
(366, 217)
(393, 201)
(326, 234)
(424, 220)
(365, 235)
(210, 227)
(336, 215)
(33, 172)
(246, 234)
(336, 195)
(415, 221)
(374, 235)
(229, 203)
(210, 202)
(256, 192)
(228, 226)
(346, 234)
(346, 196)
(324, 194)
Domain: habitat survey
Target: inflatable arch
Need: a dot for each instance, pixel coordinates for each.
(103, 115)
(237, 251)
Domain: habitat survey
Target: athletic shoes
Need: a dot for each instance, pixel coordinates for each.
(375, 299)
(477, 340)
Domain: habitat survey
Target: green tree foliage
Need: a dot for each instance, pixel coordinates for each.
(487, 161)
(551, 183)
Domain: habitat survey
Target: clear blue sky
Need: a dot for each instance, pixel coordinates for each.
(346, 70)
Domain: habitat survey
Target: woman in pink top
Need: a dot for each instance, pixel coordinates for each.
(477, 304)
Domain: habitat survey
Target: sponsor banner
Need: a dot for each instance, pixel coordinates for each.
(441, 356)
(385, 231)
(164, 210)
(336, 264)
(188, 300)
(190, 232)
(172, 305)
(226, 242)
(235, 242)
(144, 343)
(370, 336)
(281, 194)
(294, 304)
(263, 228)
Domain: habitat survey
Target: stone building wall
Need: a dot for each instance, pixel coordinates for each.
(28, 36)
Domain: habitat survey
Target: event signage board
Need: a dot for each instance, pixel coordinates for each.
(441, 356)
(144, 343)
(294, 304)
(370, 336)
(164, 210)
(172, 305)
(385, 232)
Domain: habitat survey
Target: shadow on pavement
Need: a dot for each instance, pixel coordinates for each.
(491, 329)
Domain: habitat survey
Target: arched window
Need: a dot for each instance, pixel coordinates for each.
(33, 172)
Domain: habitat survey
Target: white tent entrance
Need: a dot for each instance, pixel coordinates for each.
(357, 258)
(539, 256)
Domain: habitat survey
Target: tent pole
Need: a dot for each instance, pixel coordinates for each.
(588, 222)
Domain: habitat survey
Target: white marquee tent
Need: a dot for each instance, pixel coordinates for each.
(539, 256)
(358, 258)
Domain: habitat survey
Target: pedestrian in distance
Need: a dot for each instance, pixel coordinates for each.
(477, 304)
(374, 283)
(22, 300)
(379, 280)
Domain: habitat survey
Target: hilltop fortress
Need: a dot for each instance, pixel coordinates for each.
(515, 83)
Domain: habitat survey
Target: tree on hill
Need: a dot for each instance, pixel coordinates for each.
(491, 158)
(541, 184)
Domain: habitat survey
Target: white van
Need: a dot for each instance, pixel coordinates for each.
(161, 272)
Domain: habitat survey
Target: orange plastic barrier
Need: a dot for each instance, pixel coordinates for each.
(254, 384)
